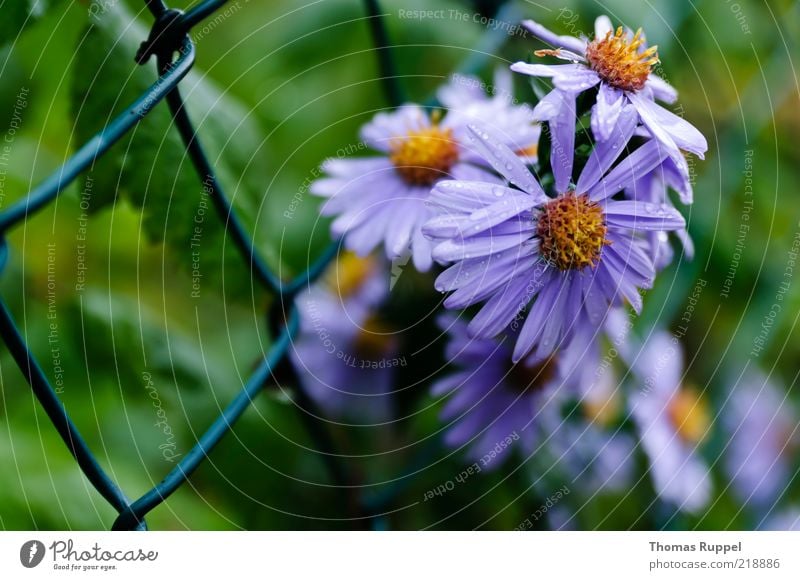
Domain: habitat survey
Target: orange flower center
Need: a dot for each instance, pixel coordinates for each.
(689, 415)
(424, 156)
(529, 151)
(618, 60)
(571, 231)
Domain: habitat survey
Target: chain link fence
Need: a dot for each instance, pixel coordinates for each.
(171, 47)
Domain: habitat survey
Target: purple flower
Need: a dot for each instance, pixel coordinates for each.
(654, 188)
(345, 358)
(585, 445)
(490, 404)
(619, 64)
(564, 260)
(382, 199)
(672, 420)
(466, 100)
(763, 428)
(587, 448)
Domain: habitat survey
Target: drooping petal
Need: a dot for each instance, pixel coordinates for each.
(408, 213)
(606, 111)
(421, 251)
(668, 127)
(662, 90)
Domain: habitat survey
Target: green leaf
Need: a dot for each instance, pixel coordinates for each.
(20, 14)
(150, 167)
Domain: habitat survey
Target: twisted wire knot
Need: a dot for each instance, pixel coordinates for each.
(165, 37)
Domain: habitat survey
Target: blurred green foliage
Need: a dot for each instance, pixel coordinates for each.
(278, 87)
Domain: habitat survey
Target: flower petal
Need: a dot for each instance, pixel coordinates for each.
(477, 246)
(669, 128)
(501, 308)
(562, 135)
(606, 111)
(553, 39)
(633, 167)
(385, 127)
(468, 196)
(606, 152)
(466, 271)
(506, 162)
(577, 81)
(642, 215)
(602, 26)
(662, 90)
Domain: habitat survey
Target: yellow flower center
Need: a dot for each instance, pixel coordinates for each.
(689, 415)
(618, 60)
(424, 156)
(571, 231)
(349, 274)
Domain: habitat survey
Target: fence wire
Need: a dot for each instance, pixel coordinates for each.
(170, 45)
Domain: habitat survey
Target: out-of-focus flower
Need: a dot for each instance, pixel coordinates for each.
(564, 260)
(596, 456)
(468, 99)
(381, 199)
(621, 65)
(490, 403)
(672, 420)
(786, 521)
(764, 434)
(587, 446)
(344, 356)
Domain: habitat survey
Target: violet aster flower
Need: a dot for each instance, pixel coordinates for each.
(564, 260)
(344, 356)
(381, 199)
(490, 403)
(619, 64)
(469, 100)
(654, 188)
(672, 420)
(764, 434)
(587, 447)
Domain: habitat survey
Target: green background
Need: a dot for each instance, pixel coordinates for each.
(278, 87)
